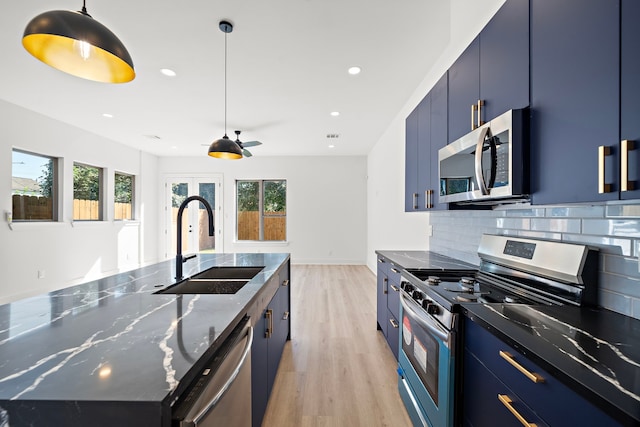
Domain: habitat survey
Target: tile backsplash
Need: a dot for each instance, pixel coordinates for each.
(614, 229)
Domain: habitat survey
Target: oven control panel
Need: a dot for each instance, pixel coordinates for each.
(519, 249)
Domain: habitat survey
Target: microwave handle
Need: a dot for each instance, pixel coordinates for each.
(479, 146)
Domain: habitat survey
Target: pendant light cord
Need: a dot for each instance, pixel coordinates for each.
(225, 84)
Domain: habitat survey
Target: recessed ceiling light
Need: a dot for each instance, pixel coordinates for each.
(332, 146)
(354, 70)
(168, 72)
(174, 147)
(107, 115)
(152, 136)
(335, 113)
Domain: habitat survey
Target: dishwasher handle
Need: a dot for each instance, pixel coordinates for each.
(209, 406)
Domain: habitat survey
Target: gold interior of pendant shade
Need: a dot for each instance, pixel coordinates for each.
(77, 44)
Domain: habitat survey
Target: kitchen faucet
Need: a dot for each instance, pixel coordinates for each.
(179, 258)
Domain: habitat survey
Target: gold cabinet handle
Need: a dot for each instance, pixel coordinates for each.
(474, 107)
(480, 105)
(626, 146)
(269, 316)
(536, 378)
(285, 316)
(428, 199)
(603, 151)
(285, 282)
(395, 288)
(506, 401)
(394, 323)
(415, 201)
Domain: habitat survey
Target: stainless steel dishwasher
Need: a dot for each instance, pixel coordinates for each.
(221, 393)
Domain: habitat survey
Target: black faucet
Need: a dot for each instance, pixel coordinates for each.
(179, 258)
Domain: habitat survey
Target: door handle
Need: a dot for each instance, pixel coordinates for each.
(285, 282)
(285, 316)
(269, 317)
(415, 201)
(385, 289)
(480, 105)
(603, 151)
(478, 161)
(474, 107)
(625, 147)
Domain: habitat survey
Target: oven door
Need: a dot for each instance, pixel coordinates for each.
(426, 366)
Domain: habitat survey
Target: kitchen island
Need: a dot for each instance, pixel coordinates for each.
(115, 352)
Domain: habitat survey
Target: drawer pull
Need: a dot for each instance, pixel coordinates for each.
(536, 378)
(506, 401)
(285, 316)
(395, 271)
(395, 288)
(394, 323)
(285, 282)
(385, 285)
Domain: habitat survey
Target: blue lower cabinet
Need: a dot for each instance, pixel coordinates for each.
(393, 333)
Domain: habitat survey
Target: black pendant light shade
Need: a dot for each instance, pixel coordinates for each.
(224, 148)
(77, 44)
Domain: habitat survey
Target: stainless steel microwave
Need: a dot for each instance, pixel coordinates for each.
(489, 165)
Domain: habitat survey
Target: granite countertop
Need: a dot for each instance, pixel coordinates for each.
(113, 339)
(594, 351)
(424, 260)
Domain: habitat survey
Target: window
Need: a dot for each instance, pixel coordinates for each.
(123, 196)
(262, 210)
(33, 187)
(87, 192)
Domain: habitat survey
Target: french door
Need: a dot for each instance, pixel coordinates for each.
(195, 222)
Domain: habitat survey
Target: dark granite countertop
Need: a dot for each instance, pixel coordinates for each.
(596, 352)
(113, 339)
(424, 260)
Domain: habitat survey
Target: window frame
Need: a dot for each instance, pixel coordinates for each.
(261, 215)
(55, 188)
(133, 195)
(101, 192)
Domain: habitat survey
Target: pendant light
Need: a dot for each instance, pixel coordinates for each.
(77, 44)
(225, 148)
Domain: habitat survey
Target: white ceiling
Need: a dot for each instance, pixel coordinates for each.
(287, 71)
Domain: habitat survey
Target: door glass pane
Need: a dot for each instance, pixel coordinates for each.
(179, 192)
(206, 243)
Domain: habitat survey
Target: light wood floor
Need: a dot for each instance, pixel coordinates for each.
(337, 370)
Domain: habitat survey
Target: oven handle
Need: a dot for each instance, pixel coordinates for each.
(479, 147)
(426, 322)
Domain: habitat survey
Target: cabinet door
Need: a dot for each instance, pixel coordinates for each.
(424, 152)
(381, 306)
(504, 60)
(411, 162)
(464, 90)
(259, 371)
(574, 98)
(630, 94)
(439, 133)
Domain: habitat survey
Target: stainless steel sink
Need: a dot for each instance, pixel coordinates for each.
(216, 280)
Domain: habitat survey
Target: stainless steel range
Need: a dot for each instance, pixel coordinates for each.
(513, 270)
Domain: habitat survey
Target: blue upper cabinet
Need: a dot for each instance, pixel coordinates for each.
(492, 75)
(630, 107)
(426, 133)
(575, 98)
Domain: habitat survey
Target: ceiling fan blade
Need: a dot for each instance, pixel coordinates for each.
(246, 153)
(251, 143)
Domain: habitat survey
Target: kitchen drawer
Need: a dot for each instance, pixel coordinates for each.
(394, 273)
(393, 297)
(482, 406)
(553, 401)
(393, 333)
(383, 265)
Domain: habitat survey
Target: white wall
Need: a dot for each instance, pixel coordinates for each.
(326, 203)
(389, 227)
(66, 252)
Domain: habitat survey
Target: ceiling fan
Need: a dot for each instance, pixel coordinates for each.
(242, 145)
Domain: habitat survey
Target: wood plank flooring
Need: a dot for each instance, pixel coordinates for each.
(337, 370)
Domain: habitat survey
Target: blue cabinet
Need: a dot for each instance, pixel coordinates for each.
(426, 133)
(492, 75)
(501, 383)
(270, 334)
(388, 302)
(575, 98)
(629, 106)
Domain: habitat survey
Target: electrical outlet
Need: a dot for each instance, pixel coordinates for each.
(430, 230)
(8, 216)
(40, 274)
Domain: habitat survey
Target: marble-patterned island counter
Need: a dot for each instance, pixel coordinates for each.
(593, 351)
(112, 351)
